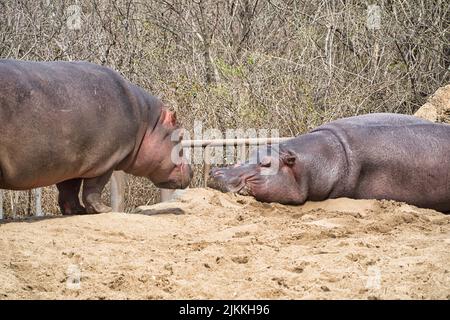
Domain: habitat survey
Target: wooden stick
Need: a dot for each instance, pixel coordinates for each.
(231, 142)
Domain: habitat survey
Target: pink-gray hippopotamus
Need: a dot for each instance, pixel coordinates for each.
(68, 123)
(373, 156)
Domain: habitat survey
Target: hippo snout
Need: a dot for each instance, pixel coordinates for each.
(215, 179)
(225, 180)
(186, 175)
(179, 178)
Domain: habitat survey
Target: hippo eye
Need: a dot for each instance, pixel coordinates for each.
(265, 162)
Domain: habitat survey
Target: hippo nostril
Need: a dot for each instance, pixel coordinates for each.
(215, 173)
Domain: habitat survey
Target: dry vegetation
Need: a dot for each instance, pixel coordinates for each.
(285, 64)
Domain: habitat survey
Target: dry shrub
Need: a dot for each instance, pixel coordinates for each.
(284, 64)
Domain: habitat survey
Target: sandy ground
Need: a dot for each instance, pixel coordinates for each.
(210, 245)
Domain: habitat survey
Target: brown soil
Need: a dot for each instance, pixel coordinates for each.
(210, 245)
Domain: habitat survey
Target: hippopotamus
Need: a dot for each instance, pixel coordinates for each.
(74, 123)
(373, 156)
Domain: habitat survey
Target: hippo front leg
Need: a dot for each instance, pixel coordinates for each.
(92, 190)
(68, 199)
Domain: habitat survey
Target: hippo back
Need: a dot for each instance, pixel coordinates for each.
(377, 119)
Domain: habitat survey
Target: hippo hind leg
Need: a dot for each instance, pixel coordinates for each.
(92, 190)
(68, 199)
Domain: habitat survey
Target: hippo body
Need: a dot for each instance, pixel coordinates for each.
(375, 156)
(67, 122)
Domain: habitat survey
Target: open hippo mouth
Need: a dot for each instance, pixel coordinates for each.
(219, 179)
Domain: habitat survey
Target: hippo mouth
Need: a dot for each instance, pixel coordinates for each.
(236, 187)
(181, 181)
(186, 175)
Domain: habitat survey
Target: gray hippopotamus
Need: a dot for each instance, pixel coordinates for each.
(373, 156)
(65, 123)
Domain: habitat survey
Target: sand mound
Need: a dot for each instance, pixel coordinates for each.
(208, 244)
(437, 108)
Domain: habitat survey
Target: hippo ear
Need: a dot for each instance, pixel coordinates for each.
(169, 118)
(288, 158)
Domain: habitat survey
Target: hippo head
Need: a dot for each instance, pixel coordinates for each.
(160, 156)
(269, 176)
